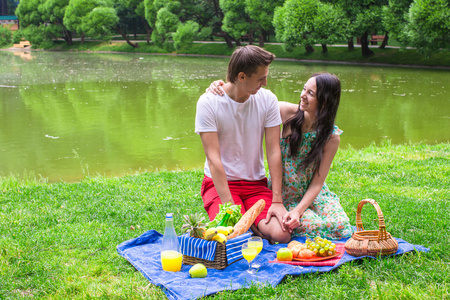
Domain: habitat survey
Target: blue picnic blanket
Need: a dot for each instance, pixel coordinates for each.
(143, 253)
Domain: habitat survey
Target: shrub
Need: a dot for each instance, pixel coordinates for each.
(5, 36)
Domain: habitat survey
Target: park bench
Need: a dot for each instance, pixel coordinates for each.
(376, 38)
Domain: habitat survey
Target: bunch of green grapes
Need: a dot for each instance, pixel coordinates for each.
(321, 247)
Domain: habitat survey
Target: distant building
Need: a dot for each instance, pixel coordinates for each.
(9, 21)
(7, 17)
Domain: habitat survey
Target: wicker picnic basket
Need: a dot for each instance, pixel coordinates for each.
(220, 260)
(370, 242)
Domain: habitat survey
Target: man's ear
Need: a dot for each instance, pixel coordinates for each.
(241, 76)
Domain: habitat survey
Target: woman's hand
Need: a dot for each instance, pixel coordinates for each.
(291, 220)
(216, 88)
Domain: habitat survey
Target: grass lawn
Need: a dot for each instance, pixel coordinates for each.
(58, 240)
(394, 56)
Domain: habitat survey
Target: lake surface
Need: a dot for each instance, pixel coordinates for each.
(67, 115)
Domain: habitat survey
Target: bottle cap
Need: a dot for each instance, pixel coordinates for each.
(169, 215)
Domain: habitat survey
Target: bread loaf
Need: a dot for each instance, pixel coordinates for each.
(247, 219)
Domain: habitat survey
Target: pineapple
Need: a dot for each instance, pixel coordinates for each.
(194, 225)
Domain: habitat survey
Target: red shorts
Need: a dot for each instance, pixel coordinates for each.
(245, 193)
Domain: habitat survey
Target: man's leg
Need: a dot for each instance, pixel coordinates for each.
(271, 231)
(211, 199)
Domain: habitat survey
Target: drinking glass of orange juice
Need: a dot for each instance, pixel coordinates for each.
(257, 243)
(171, 260)
(249, 253)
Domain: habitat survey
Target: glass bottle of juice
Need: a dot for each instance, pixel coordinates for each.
(225, 218)
(171, 258)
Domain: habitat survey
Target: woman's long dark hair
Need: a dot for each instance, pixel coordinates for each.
(328, 95)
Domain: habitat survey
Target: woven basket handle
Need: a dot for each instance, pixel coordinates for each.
(382, 226)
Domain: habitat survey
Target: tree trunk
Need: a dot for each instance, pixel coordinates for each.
(261, 40)
(385, 41)
(68, 37)
(250, 38)
(82, 38)
(148, 29)
(351, 45)
(238, 42)
(227, 38)
(134, 45)
(365, 46)
(309, 49)
(324, 48)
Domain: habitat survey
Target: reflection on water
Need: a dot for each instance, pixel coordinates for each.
(66, 115)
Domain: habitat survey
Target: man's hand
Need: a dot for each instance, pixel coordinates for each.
(277, 210)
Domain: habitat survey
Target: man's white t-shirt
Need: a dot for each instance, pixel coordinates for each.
(240, 127)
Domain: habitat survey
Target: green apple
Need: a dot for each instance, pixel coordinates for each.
(284, 254)
(198, 271)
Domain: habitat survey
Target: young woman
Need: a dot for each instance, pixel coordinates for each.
(309, 142)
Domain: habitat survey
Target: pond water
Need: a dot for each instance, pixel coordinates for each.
(67, 115)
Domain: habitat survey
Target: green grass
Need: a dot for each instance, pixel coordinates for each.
(394, 56)
(58, 240)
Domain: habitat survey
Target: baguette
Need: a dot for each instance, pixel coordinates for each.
(247, 219)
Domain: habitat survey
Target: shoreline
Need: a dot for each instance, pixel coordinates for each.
(373, 64)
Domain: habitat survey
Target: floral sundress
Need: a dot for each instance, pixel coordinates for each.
(325, 217)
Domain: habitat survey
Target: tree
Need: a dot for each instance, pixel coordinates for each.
(52, 13)
(262, 12)
(236, 21)
(100, 21)
(138, 6)
(429, 25)
(329, 24)
(368, 20)
(28, 14)
(395, 19)
(46, 16)
(291, 25)
(185, 34)
(75, 13)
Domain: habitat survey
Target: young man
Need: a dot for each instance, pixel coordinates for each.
(232, 129)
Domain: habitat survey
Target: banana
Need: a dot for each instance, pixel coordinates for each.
(225, 230)
(230, 230)
(210, 233)
(220, 237)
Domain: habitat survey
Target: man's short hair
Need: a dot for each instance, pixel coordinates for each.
(247, 59)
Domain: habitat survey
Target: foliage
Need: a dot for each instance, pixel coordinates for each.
(5, 36)
(234, 217)
(291, 26)
(429, 24)
(395, 19)
(185, 34)
(236, 21)
(17, 36)
(28, 14)
(420, 23)
(59, 239)
(99, 22)
(34, 34)
(329, 24)
(76, 12)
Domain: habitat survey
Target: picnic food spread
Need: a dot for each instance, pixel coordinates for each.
(318, 247)
(248, 218)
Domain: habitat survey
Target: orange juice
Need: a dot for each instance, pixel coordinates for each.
(249, 254)
(171, 260)
(256, 245)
